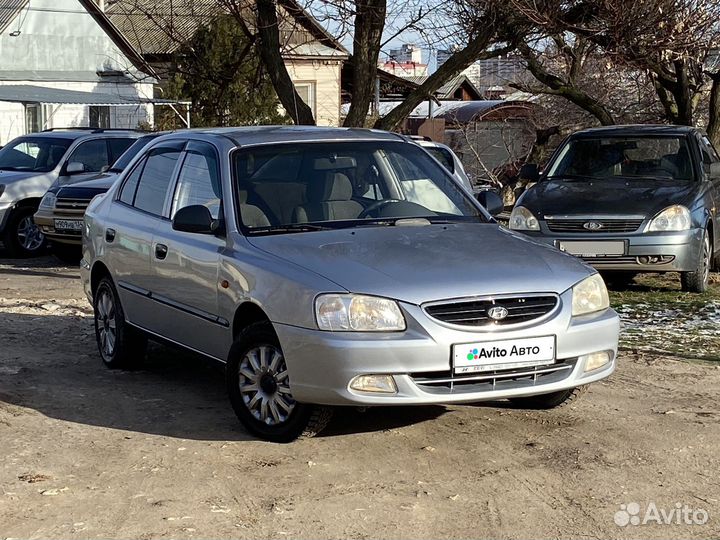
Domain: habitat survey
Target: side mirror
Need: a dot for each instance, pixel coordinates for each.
(529, 172)
(105, 168)
(491, 201)
(75, 167)
(714, 171)
(195, 219)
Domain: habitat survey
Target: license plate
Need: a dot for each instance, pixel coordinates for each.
(69, 224)
(507, 354)
(608, 248)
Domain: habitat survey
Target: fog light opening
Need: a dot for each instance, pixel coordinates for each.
(383, 384)
(596, 360)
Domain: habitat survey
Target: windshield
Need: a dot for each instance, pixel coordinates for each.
(127, 156)
(40, 154)
(625, 157)
(331, 185)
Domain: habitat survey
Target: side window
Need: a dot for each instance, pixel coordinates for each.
(199, 180)
(127, 195)
(709, 152)
(118, 147)
(155, 181)
(92, 154)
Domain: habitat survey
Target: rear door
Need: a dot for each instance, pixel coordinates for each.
(141, 207)
(185, 266)
(709, 156)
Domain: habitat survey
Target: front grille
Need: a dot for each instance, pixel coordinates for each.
(445, 382)
(603, 225)
(72, 206)
(475, 312)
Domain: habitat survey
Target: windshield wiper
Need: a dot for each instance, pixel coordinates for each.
(572, 177)
(290, 228)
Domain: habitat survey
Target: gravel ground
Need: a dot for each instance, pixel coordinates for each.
(87, 452)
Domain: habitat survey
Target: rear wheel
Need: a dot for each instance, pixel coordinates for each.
(22, 238)
(697, 280)
(552, 400)
(120, 345)
(259, 389)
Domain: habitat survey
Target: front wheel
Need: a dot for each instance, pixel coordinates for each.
(22, 238)
(553, 400)
(258, 385)
(697, 280)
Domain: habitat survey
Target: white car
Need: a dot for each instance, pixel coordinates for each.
(447, 158)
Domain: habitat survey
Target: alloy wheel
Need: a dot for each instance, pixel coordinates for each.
(265, 386)
(106, 325)
(29, 235)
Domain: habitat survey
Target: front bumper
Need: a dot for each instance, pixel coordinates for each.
(322, 364)
(45, 219)
(675, 251)
(4, 213)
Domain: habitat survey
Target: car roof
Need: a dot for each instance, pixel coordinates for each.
(242, 136)
(636, 129)
(74, 134)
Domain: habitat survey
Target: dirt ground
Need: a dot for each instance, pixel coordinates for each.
(86, 452)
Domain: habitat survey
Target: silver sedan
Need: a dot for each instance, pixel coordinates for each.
(330, 267)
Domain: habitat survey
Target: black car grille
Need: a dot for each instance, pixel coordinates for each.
(72, 205)
(588, 225)
(475, 312)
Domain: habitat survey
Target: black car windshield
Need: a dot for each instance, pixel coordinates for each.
(624, 157)
(37, 154)
(344, 184)
(122, 162)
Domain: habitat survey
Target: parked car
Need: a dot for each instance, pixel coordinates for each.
(629, 199)
(330, 266)
(447, 158)
(31, 164)
(61, 210)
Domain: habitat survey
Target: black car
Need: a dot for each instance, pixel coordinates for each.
(629, 199)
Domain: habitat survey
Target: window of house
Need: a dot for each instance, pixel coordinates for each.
(306, 90)
(33, 118)
(100, 117)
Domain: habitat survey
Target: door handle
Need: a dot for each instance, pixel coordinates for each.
(109, 235)
(161, 251)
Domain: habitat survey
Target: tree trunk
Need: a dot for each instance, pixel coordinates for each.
(475, 50)
(269, 32)
(682, 94)
(714, 120)
(369, 25)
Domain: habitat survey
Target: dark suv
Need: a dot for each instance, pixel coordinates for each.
(629, 199)
(31, 164)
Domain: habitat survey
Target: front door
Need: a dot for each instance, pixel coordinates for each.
(186, 265)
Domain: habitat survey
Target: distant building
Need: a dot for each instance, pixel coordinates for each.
(408, 53)
(404, 69)
(494, 76)
(444, 54)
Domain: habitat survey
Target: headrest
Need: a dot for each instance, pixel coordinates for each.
(333, 187)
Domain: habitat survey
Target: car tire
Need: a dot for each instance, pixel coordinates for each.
(67, 253)
(697, 281)
(259, 389)
(553, 400)
(22, 238)
(120, 345)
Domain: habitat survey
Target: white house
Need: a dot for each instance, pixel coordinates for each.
(64, 64)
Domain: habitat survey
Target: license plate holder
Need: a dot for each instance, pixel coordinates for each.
(593, 248)
(495, 355)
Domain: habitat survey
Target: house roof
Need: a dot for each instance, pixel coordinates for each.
(9, 9)
(462, 112)
(27, 93)
(160, 27)
(447, 90)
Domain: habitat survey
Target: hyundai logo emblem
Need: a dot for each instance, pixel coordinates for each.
(593, 225)
(497, 313)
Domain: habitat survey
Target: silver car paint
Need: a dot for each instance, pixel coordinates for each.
(283, 275)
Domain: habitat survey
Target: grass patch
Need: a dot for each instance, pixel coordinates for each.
(658, 318)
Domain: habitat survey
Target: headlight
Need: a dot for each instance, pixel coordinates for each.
(673, 218)
(589, 296)
(522, 219)
(48, 201)
(357, 313)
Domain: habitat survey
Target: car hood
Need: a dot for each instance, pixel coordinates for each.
(633, 197)
(427, 263)
(89, 188)
(8, 177)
